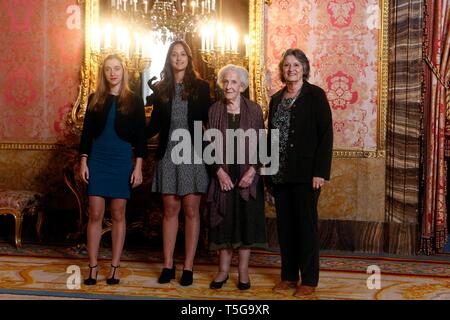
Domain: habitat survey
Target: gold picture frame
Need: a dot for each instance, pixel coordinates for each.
(383, 78)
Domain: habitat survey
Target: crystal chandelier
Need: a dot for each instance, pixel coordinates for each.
(172, 19)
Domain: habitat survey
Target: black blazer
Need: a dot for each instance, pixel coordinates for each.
(198, 105)
(310, 140)
(129, 127)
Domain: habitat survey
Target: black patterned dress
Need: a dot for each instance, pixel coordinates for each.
(185, 178)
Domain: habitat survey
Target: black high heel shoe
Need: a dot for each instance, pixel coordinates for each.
(113, 280)
(243, 285)
(167, 275)
(218, 284)
(187, 277)
(91, 281)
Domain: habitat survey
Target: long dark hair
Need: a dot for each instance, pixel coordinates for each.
(165, 89)
(102, 90)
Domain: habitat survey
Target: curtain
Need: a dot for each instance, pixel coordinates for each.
(404, 117)
(436, 102)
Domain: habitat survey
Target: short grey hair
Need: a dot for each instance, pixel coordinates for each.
(301, 57)
(240, 71)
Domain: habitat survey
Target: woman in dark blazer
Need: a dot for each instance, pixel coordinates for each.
(181, 101)
(114, 124)
(301, 113)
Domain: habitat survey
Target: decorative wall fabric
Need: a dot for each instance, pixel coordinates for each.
(42, 43)
(341, 40)
(437, 75)
(403, 124)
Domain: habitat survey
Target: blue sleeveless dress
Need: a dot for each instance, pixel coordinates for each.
(110, 162)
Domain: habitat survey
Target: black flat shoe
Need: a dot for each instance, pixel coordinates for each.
(91, 281)
(167, 275)
(187, 278)
(113, 280)
(243, 286)
(217, 284)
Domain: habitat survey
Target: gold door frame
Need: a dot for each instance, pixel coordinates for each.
(257, 88)
(383, 80)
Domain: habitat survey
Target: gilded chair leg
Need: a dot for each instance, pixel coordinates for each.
(107, 226)
(19, 219)
(106, 230)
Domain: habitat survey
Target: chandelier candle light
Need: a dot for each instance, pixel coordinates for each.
(220, 46)
(135, 51)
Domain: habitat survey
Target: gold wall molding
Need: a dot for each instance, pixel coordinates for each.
(29, 146)
(383, 77)
(358, 154)
(257, 70)
(89, 68)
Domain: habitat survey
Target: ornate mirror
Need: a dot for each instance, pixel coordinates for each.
(346, 42)
(98, 12)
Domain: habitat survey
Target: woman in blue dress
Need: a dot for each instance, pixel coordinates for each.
(114, 126)
(181, 101)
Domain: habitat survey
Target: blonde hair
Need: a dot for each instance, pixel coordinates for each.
(102, 90)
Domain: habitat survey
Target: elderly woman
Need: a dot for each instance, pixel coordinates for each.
(301, 113)
(235, 195)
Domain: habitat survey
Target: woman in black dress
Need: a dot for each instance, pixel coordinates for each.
(114, 123)
(235, 195)
(181, 101)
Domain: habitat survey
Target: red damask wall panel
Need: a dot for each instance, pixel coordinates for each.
(340, 38)
(42, 43)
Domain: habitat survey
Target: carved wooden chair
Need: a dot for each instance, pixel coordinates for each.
(79, 189)
(21, 203)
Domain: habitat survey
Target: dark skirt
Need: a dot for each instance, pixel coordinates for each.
(244, 225)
